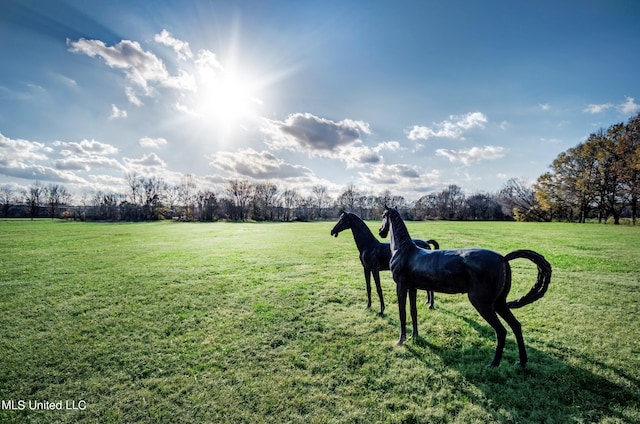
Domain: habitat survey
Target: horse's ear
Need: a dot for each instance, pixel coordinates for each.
(386, 208)
(340, 212)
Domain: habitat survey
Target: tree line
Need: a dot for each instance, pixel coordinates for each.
(151, 198)
(597, 179)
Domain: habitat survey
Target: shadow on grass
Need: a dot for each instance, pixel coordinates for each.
(559, 384)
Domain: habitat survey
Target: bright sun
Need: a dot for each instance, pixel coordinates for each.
(227, 98)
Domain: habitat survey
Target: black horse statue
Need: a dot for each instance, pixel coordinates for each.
(483, 274)
(374, 255)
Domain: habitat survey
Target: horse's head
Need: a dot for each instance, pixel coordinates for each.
(344, 223)
(386, 222)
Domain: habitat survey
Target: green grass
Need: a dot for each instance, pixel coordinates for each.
(166, 322)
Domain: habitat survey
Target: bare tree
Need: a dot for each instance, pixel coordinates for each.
(134, 183)
(207, 205)
(33, 199)
(172, 197)
(56, 195)
(321, 197)
(187, 194)
(426, 206)
(517, 197)
(265, 198)
(450, 202)
(348, 199)
(106, 205)
(290, 198)
(482, 206)
(304, 209)
(240, 192)
(152, 189)
(6, 197)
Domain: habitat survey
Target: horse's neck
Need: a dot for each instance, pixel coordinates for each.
(362, 235)
(399, 234)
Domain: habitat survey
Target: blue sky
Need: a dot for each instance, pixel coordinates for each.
(407, 96)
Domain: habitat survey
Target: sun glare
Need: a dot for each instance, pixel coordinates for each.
(226, 98)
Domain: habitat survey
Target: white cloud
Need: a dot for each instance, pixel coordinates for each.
(207, 63)
(152, 143)
(356, 155)
(147, 164)
(117, 113)
(306, 132)
(85, 155)
(70, 82)
(18, 158)
(180, 47)
(326, 138)
(140, 66)
(391, 174)
(86, 163)
(13, 151)
(262, 165)
(40, 173)
(400, 178)
(132, 97)
(339, 140)
(472, 155)
(629, 107)
(597, 108)
(185, 109)
(545, 106)
(107, 183)
(392, 146)
(85, 147)
(454, 127)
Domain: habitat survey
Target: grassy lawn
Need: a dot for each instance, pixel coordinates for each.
(175, 322)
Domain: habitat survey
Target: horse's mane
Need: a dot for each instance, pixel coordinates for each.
(400, 232)
(362, 228)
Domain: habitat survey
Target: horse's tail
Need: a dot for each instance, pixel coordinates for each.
(427, 244)
(542, 283)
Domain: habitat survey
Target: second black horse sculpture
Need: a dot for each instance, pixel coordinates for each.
(374, 255)
(481, 273)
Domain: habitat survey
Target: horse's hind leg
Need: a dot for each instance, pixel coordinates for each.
(516, 327)
(376, 279)
(413, 297)
(488, 312)
(430, 299)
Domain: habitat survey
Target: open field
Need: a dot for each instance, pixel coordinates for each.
(166, 322)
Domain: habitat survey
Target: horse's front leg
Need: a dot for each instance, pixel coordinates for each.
(413, 297)
(367, 280)
(376, 279)
(401, 291)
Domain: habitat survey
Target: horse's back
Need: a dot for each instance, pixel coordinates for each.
(448, 271)
(480, 258)
(422, 244)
